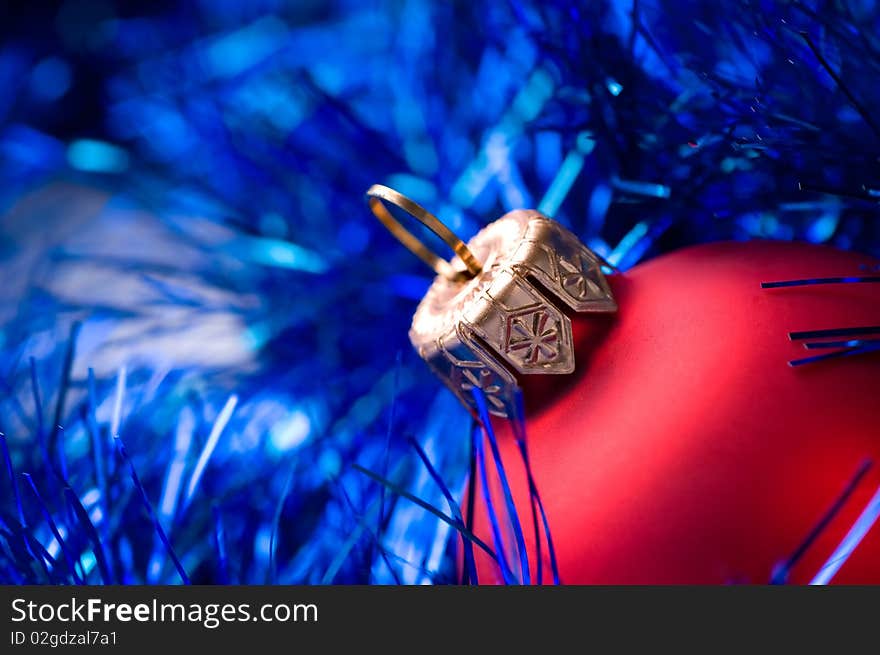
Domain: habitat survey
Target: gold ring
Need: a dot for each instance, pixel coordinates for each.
(379, 194)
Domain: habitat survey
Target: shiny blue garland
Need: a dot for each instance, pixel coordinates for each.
(204, 364)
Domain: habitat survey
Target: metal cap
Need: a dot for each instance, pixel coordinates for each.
(510, 319)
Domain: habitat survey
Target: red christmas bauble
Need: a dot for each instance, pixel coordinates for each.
(685, 448)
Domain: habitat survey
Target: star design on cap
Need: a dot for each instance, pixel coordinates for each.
(533, 337)
(479, 377)
(581, 277)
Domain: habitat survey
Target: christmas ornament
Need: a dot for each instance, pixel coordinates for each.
(249, 131)
(720, 426)
(499, 309)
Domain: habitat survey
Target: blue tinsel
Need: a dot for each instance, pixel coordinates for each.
(203, 330)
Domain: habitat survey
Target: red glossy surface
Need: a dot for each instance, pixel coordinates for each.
(685, 449)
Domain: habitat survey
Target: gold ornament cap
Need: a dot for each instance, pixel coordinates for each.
(499, 308)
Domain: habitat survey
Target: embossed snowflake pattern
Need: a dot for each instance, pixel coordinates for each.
(580, 278)
(534, 337)
(471, 378)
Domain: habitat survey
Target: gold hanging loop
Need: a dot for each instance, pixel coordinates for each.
(379, 194)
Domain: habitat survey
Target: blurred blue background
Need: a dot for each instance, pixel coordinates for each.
(190, 269)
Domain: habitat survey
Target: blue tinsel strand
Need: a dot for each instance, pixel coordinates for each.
(186, 184)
